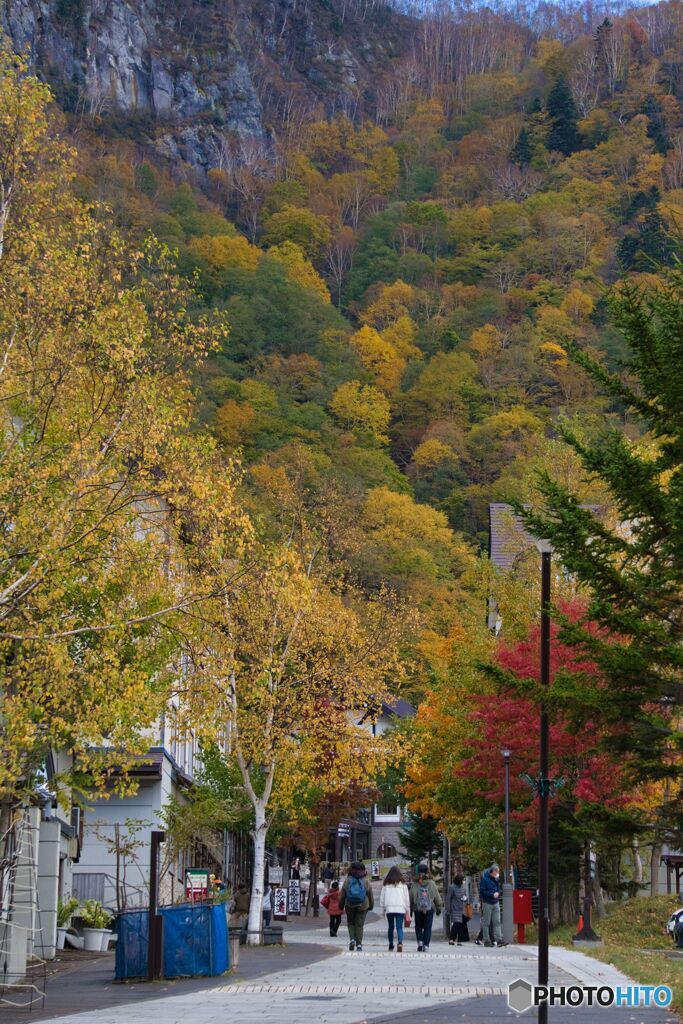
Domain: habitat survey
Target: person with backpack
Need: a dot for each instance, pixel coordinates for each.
(330, 901)
(395, 902)
(356, 899)
(425, 901)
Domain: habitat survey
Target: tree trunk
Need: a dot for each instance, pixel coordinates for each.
(597, 892)
(654, 868)
(254, 929)
(637, 866)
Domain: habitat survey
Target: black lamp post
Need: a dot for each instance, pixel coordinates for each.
(544, 783)
(507, 883)
(506, 761)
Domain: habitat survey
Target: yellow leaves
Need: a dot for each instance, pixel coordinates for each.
(226, 252)
(393, 301)
(300, 269)
(234, 423)
(577, 304)
(431, 453)
(401, 334)
(363, 407)
(102, 482)
(379, 357)
(486, 341)
(308, 230)
(554, 352)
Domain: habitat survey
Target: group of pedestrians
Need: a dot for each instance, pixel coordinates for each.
(421, 902)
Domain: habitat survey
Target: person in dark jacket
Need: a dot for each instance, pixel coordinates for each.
(455, 905)
(355, 904)
(491, 894)
(425, 901)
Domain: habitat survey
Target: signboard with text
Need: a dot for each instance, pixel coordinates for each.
(280, 903)
(196, 884)
(294, 896)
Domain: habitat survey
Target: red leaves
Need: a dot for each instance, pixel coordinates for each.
(508, 720)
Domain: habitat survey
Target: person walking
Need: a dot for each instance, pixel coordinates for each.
(356, 899)
(395, 903)
(267, 905)
(490, 892)
(455, 906)
(330, 901)
(425, 901)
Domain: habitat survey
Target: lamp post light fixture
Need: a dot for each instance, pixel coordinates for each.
(507, 880)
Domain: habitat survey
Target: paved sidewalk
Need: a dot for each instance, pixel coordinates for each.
(318, 981)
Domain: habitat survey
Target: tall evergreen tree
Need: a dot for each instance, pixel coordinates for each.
(634, 570)
(563, 135)
(521, 152)
(420, 837)
(646, 246)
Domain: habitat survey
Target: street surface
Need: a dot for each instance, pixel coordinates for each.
(458, 984)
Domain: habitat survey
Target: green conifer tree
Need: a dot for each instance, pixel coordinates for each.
(634, 570)
(563, 135)
(521, 152)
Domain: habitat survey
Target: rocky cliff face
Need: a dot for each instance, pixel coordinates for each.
(196, 75)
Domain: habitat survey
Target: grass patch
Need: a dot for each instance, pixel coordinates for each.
(629, 931)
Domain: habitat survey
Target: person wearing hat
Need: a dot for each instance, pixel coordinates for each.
(491, 894)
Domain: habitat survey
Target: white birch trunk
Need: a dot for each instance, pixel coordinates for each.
(637, 863)
(654, 868)
(254, 926)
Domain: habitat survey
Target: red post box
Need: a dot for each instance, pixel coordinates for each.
(522, 912)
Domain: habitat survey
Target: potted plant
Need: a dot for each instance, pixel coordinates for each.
(64, 912)
(95, 926)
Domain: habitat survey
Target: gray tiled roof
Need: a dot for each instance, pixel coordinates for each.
(507, 537)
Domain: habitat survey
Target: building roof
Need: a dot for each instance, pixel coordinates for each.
(399, 709)
(507, 537)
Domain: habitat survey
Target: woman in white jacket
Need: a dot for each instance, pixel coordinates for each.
(395, 902)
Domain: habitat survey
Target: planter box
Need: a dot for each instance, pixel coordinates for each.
(93, 939)
(272, 936)
(61, 937)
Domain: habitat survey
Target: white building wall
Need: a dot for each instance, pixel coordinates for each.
(143, 810)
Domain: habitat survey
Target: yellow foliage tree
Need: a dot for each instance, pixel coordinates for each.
(392, 302)
(289, 658)
(98, 463)
(226, 252)
(362, 407)
(300, 269)
(379, 357)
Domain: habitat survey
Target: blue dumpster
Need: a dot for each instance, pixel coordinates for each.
(195, 941)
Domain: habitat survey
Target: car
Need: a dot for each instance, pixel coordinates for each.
(675, 919)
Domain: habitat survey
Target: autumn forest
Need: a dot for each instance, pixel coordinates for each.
(255, 413)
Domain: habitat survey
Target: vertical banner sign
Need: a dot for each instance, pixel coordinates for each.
(280, 903)
(294, 896)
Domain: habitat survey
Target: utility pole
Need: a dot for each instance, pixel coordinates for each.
(155, 928)
(544, 785)
(507, 880)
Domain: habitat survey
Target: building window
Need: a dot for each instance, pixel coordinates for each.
(387, 811)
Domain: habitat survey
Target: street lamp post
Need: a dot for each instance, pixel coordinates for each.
(507, 880)
(544, 783)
